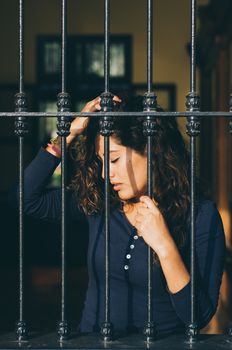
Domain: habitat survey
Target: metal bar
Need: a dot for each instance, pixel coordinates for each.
(106, 222)
(106, 130)
(149, 45)
(193, 47)
(193, 175)
(21, 231)
(63, 227)
(193, 160)
(106, 46)
(193, 129)
(71, 115)
(64, 44)
(21, 45)
(149, 104)
(63, 126)
(20, 131)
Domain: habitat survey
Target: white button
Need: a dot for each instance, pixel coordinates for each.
(128, 256)
(136, 237)
(126, 267)
(132, 246)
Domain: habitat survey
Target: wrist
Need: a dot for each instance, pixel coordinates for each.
(166, 249)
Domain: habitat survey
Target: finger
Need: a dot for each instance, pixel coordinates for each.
(117, 99)
(151, 204)
(98, 107)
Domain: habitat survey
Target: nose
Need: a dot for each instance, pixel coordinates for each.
(111, 172)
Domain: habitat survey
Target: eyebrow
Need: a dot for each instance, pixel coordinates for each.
(110, 152)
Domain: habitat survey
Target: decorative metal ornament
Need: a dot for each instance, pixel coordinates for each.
(106, 122)
(20, 102)
(150, 331)
(64, 105)
(193, 122)
(21, 330)
(149, 104)
(192, 102)
(230, 122)
(192, 332)
(63, 331)
(21, 105)
(107, 331)
(64, 102)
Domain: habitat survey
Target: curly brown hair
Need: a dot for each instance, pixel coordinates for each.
(170, 169)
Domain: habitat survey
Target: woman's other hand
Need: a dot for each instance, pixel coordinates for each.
(150, 225)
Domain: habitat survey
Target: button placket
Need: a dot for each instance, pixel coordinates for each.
(134, 237)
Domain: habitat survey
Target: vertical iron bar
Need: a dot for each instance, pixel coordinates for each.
(21, 221)
(107, 46)
(106, 129)
(21, 129)
(21, 46)
(107, 212)
(63, 226)
(64, 44)
(193, 130)
(149, 126)
(149, 45)
(193, 47)
(230, 131)
(63, 126)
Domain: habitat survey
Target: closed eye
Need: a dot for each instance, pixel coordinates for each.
(114, 161)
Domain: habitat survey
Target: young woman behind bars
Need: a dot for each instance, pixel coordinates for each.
(136, 221)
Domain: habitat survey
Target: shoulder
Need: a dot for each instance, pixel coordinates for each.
(208, 218)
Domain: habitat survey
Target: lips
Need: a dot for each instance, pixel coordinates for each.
(116, 186)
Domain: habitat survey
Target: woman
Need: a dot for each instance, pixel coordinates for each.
(135, 222)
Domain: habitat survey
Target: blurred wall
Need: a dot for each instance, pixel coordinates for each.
(171, 28)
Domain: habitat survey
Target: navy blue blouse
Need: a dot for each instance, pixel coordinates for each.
(128, 260)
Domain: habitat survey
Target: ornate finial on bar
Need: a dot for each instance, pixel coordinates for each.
(107, 331)
(192, 102)
(193, 105)
(64, 105)
(21, 124)
(21, 330)
(106, 122)
(230, 122)
(150, 331)
(230, 331)
(63, 330)
(149, 101)
(149, 104)
(192, 332)
(64, 102)
(20, 102)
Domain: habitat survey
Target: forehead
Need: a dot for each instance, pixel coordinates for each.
(114, 145)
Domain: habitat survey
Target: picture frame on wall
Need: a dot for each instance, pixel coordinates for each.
(85, 59)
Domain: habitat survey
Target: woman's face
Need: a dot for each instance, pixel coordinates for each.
(128, 169)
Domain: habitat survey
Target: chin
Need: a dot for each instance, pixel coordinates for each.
(125, 196)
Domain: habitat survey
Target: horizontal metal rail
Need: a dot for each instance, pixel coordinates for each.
(114, 114)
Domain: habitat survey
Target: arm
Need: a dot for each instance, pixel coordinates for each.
(38, 201)
(210, 253)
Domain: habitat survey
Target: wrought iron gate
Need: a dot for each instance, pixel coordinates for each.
(107, 115)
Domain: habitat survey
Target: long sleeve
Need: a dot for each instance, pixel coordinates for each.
(210, 256)
(40, 202)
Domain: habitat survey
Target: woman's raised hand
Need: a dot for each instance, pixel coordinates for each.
(80, 123)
